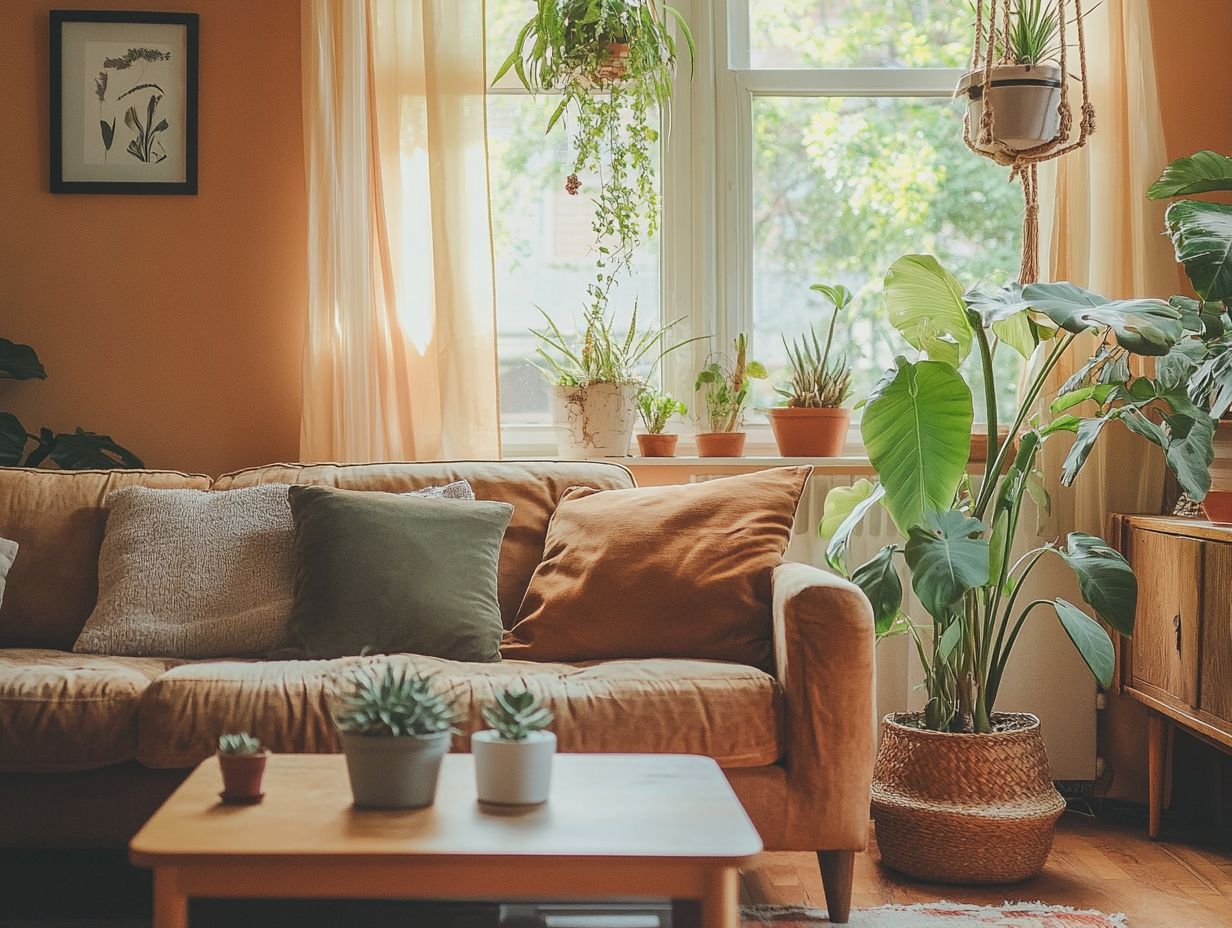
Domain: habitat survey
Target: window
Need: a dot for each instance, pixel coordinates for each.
(816, 142)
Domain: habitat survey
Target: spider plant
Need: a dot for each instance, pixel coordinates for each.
(1034, 33)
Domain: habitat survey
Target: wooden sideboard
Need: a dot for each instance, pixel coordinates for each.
(1179, 661)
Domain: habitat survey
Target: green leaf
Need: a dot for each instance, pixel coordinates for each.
(1084, 440)
(997, 544)
(1148, 327)
(950, 639)
(836, 550)
(879, 580)
(1098, 392)
(12, 440)
(840, 501)
(1202, 236)
(917, 432)
(1089, 638)
(1107, 581)
(948, 556)
(1189, 451)
(925, 303)
(19, 362)
(1017, 332)
(1201, 172)
(82, 450)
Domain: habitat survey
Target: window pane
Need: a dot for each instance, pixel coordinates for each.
(842, 188)
(503, 19)
(544, 248)
(860, 33)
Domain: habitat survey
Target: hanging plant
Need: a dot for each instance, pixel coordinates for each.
(612, 62)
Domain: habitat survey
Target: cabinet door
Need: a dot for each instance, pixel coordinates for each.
(1165, 642)
(1215, 694)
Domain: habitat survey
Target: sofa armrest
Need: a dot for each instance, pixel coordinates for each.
(824, 643)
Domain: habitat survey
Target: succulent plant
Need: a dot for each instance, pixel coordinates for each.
(516, 714)
(239, 743)
(393, 702)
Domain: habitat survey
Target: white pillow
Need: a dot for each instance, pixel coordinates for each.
(198, 573)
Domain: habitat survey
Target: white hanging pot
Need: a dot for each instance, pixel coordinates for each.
(594, 421)
(513, 773)
(1025, 102)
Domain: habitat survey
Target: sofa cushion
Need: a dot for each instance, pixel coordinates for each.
(57, 517)
(532, 487)
(62, 712)
(727, 711)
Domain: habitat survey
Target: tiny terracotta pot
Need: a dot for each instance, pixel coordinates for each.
(657, 446)
(720, 444)
(241, 777)
(616, 66)
(802, 432)
(1218, 505)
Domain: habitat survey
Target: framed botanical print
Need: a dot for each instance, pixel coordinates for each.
(123, 102)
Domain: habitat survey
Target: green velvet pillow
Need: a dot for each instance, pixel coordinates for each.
(395, 573)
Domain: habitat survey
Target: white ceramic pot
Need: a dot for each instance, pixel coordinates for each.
(513, 773)
(594, 421)
(393, 773)
(1024, 99)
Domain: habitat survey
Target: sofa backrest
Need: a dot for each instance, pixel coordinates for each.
(532, 487)
(57, 519)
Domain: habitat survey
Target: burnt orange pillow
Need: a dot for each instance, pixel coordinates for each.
(679, 571)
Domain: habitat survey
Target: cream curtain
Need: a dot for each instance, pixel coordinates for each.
(400, 355)
(1098, 230)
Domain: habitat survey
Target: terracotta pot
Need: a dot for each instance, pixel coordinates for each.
(1025, 100)
(241, 777)
(979, 446)
(810, 433)
(657, 446)
(616, 65)
(956, 808)
(1218, 505)
(720, 444)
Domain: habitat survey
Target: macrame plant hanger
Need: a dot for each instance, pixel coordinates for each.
(1023, 163)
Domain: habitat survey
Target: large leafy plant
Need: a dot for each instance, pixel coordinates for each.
(76, 450)
(959, 532)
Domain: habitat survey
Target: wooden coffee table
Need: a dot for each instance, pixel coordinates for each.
(616, 826)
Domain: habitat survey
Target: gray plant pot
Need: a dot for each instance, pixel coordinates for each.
(393, 773)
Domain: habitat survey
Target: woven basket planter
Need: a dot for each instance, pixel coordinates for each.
(964, 808)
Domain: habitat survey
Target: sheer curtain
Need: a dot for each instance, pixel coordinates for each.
(400, 355)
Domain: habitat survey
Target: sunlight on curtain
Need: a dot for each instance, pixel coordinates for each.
(400, 355)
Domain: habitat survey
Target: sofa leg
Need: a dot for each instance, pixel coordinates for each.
(837, 869)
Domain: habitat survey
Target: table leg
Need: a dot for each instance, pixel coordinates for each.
(1157, 750)
(170, 905)
(721, 906)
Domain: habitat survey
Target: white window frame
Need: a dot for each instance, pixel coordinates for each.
(707, 187)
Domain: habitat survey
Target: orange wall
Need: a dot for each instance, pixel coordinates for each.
(1194, 73)
(173, 323)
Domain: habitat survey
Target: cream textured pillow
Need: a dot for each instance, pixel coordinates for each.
(199, 573)
(8, 553)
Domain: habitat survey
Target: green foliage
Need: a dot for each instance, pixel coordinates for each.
(393, 702)
(1202, 172)
(1033, 36)
(76, 450)
(657, 408)
(726, 382)
(815, 383)
(516, 714)
(959, 534)
(240, 743)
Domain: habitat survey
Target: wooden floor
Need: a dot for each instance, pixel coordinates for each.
(1112, 867)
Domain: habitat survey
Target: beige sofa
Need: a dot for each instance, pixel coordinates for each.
(90, 745)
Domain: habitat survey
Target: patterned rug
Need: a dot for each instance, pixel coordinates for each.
(937, 915)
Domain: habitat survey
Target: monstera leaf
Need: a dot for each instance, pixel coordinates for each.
(1004, 310)
(1089, 638)
(12, 440)
(19, 362)
(1105, 578)
(917, 432)
(845, 509)
(1199, 173)
(948, 555)
(878, 578)
(926, 305)
(1149, 327)
(81, 450)
(1202, 236)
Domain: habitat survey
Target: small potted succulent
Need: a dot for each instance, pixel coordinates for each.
(656, 409)
(242, 759)
(395, 728)
(726, 382)
(513, 759)
(813, 423)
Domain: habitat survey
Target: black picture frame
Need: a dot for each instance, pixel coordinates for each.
(191, 23)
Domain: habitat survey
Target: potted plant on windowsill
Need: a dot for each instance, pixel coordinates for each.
(726, 382)
(513, 758)
(656, 409)
(962, 793)
(395, 728)
(241, 758)
(814, 422)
